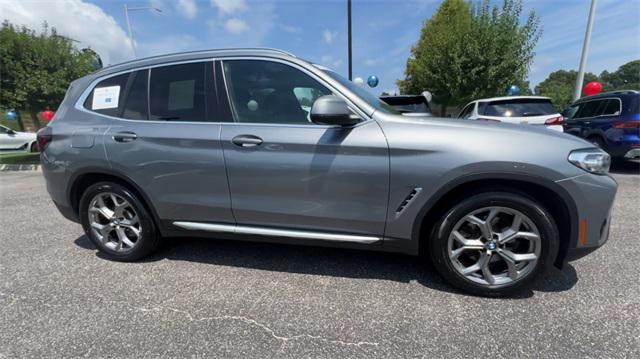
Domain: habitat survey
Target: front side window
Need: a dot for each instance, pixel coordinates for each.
(107, 96)
(466, 112)
(177, 93)
(271, 92)
(570, 112)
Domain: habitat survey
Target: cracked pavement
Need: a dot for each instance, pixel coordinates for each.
(217, 298)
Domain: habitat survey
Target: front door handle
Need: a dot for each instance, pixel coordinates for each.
(124, 136)
(247, 141)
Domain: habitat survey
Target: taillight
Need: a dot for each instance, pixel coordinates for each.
(626, 124)
(554, 121)
(45, 135)
(488, 119)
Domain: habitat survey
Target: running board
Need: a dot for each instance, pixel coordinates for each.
(231, 228)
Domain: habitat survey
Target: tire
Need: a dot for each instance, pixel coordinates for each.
(536, 221)
(33, 147)
(598, 141)
(130, 219)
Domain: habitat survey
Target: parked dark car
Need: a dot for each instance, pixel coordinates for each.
(408, 103)
(610, 120)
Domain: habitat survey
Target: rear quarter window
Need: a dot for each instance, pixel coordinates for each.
(107, 96)
(519, 108)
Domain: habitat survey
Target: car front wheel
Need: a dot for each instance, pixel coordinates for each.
(117, 222)
(494, 244)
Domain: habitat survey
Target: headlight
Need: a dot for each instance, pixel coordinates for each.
(591, 160)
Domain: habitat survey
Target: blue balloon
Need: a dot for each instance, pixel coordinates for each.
(513, 90)
(372, 81)
(11, 115)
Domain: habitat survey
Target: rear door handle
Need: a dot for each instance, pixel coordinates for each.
(247, 141)
(124, 136)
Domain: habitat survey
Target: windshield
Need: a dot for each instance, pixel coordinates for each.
(362, 93)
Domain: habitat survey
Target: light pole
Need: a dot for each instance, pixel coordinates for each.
(349, 37)
(585, 49)
(126, 16)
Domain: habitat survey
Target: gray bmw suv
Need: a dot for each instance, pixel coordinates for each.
(259, 144)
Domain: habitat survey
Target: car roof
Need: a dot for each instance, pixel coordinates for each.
(621, 93)
(193, 55)
(512, 98)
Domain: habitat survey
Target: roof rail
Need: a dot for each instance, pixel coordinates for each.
(199, 51)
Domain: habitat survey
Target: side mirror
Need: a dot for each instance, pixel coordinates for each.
(11, 132)
(332, 110)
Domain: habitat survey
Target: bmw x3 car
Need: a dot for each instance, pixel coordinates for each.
(219, 144)
(610, 120)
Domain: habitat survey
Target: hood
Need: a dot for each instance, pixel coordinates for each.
(484, 128)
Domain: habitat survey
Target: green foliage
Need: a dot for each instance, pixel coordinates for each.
(560, 85)
(36, 69)
(466, 53)
(627, 77)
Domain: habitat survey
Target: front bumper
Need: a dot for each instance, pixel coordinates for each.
(593, 196)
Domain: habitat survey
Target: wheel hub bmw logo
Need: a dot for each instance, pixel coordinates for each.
(492, 246)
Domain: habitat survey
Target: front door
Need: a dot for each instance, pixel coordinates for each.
(287, 172)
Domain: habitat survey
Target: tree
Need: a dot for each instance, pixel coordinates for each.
(559, 86)
(36, 69)
(626, 77)
(466, 53)
(438, 60)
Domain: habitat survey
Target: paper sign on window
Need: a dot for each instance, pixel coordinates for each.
(105, 97)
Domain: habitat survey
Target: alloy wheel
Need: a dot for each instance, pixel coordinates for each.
(114, 222)
(494, 246)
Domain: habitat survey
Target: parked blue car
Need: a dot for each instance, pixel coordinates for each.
(610, 120)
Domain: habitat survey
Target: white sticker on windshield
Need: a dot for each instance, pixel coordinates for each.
(105, 97)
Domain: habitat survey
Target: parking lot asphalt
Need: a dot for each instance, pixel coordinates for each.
(215, 298)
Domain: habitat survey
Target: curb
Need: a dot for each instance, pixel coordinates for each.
(16, 167)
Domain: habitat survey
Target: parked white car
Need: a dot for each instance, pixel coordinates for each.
(528, 110)
(14, 140)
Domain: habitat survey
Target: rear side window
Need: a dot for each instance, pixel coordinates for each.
(135, 105)
(590, 109)
(107, 96)
(611, 107)
(519, 108)
(177, 93)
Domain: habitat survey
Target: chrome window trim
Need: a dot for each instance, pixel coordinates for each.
(599, 99)
(80, 102)
(352, 106)
(275, 232)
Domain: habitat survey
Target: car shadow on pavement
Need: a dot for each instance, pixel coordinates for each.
(625, 167)
(335, 262)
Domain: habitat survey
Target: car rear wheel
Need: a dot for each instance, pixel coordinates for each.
(117, 222)
(34, 147)
(494, 244)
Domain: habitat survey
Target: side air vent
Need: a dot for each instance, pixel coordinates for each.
(407, 201)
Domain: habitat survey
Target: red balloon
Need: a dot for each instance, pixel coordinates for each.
(47, 115)
(592, 88)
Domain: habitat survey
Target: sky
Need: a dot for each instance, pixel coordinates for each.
(383, 30)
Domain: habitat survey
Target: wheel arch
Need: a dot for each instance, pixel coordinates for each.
(553, 197)
(85, 178)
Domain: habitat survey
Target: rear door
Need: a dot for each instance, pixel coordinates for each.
(584, 122)
(167, 140)
(288, 172)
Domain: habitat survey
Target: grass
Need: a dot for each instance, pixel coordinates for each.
(21, 158)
